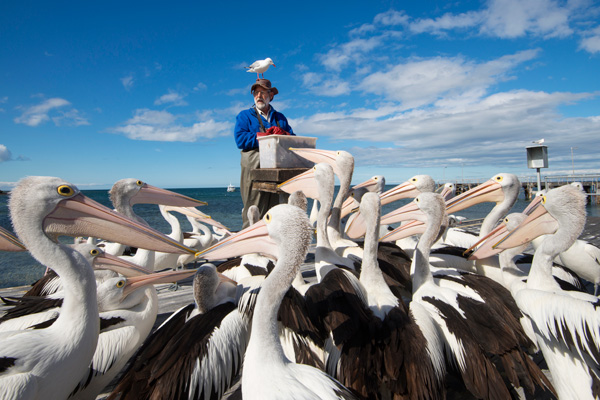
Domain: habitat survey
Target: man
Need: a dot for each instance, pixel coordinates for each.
(261, 118)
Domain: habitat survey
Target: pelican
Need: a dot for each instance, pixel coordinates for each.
(126, 193)
(342, 163)
(46, 363)
(267, 373)
(31, 310)
(195, 353)
(566, 323)
(411, 188)
(471, 313)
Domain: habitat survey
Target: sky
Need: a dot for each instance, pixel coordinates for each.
(94, 92)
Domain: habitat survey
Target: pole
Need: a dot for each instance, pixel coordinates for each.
(539, 181)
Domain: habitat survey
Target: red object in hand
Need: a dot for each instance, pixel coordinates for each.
(274, 130)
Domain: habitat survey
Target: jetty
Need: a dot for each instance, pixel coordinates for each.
(589, 182)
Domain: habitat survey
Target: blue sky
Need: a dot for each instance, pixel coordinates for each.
(94, 92)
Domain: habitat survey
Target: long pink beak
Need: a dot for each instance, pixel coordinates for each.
(318, 156)
(403, 231)
(119, 265)
(135, 282)
(485, 245)
(199, 215)
(149, 194)
(306, 182)
(538, 222)
(489, 191)
(253, 239)
(9, 242)
(82, 216)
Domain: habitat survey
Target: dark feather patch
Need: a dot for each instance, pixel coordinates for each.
(27, 305)
(6, 363)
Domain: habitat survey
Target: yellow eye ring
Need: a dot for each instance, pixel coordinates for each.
(499, 178)
(268, 218)
(413, 179)
(543, 199)
(65, 190)
(139, 183)
(120, 283)
(94, 252)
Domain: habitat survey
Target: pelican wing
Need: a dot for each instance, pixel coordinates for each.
(573, 321)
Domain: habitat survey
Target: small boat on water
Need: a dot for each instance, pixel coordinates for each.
(230, 188)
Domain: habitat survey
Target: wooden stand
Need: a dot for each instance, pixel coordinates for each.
(267, 179)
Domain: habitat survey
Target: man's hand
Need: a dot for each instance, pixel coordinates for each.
(274, 130)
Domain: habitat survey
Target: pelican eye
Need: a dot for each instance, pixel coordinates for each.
(417, 200)
(139, 183)
(94, 252)
(543, 199)
(268, 218)
(315, 168)
(506, 220)
(65, 190)
(338, 153)
(413, 179)
(498, 178)
(120, 283)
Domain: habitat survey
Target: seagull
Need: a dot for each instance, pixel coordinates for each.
(260, 66)
(538, 141)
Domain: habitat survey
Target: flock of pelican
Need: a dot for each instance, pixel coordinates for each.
(424, 310)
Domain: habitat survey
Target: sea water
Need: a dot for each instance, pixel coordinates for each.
(19, 268)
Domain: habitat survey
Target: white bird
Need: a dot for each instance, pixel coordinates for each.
(567, 324)
(197, 352)
(539, 141)
(260, 67)
(46, 363)
(267, 373)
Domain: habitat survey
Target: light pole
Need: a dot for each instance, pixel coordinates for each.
(572, 160)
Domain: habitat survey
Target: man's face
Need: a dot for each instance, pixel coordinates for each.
(262, 98)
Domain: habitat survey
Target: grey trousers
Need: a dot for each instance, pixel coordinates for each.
(263, 200)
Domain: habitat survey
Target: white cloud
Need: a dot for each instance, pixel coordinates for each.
(421, 82)
(516, 18)
(5, 154)
(325, 85)
(127, 82)
(446, 22)
(200, 87)
(350, 52)
(494, 129)
(172, 97)
(40, 113)
(164, 127)
(391, 18)
(591, 41)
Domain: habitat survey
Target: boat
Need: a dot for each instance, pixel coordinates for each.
(230, 188)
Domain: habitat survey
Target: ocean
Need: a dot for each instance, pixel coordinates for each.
(17, 269)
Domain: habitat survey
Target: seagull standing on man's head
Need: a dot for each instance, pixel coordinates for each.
(260, 66)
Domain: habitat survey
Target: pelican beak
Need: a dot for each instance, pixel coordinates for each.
(532, 205)
(136, 282)
(253, 239)
(149, 194)
(407, 212)
(369, 182)
(489, 191)
(82, 216)
(318, 156)
(119, 265)
(305, 182)
(538, 222)
(350, 205)
(484, 246)
(403, 191)
(9, 242)
(355, 227)
(195, 213)
(403, 231)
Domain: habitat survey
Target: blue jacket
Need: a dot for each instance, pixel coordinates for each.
(247, 125)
